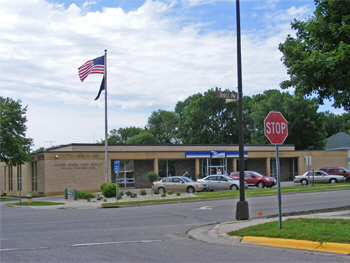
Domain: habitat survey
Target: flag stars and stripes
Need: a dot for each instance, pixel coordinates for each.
(94, 66)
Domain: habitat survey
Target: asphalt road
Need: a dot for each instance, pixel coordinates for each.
(153, 233)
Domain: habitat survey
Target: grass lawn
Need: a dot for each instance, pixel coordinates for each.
(320, 230)
(248, 192)
(35, 203)
(8, 198)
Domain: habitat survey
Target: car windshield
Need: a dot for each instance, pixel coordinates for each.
(257, 174)
(345, 170)
(228, 178)
(186, 179)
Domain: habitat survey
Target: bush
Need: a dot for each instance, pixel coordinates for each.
(128, 193)
(152, 177)
(143, 192)
(121, 193)
(163, 195)
(178, 193)
(170, 192)
(156, 192)
(109, 189)
(84, 195)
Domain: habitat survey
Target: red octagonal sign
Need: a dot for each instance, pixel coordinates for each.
(276, 128)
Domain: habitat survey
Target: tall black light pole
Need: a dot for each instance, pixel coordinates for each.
(242, 211)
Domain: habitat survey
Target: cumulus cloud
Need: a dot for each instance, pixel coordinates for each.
(154, 60)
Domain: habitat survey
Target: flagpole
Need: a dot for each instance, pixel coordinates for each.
(106, 123)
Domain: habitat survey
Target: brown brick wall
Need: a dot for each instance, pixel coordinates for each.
(142, 167)
(185, 165)
(257, 165)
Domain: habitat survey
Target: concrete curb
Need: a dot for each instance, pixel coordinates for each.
(339, 248)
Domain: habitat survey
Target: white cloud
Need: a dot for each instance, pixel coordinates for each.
(153, 62)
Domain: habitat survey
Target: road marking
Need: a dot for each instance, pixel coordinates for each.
(116, 242)
(203, 208)
(81, 245)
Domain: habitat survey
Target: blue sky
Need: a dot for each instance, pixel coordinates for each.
(159, 52)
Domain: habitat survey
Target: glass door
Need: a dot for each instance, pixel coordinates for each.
(126, 176)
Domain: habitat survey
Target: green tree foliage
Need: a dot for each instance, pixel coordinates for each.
(208, 120)
(306, 127)
(337, 123)
(122, 135)
(162, 124)
(318, 58)
(14, 147)
(145, 137)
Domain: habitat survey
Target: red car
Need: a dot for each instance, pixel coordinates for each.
(337, 171)
(255, 179)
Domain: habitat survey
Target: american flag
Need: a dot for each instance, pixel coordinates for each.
(94, 66)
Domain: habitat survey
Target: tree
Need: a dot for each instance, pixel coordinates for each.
(162, 124)
(318, 59)
(14, 147)
(337, 123)
(306, 128)
(205, 119)
(122, 135)
(145, 137)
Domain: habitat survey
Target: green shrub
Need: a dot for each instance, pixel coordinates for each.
(121, 193)
(143, 192)
(84, 195)
(163, 195)
(152, 177)
(170, 192)
(178, 193)
(128, 193)
(156, 192)
(109, 189)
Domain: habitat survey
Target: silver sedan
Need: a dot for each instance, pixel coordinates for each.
(318, 177)
(220, 182)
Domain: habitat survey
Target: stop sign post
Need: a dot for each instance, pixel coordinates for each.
(276, 130)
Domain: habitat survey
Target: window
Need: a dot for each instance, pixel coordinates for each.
(166, 168)
(332, 170)
(10, 178)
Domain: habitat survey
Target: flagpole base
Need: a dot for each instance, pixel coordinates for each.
(242, 210)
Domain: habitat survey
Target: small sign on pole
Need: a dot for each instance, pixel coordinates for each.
(276, 130)
(116, 171)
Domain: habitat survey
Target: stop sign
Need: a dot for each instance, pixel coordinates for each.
(276, 128)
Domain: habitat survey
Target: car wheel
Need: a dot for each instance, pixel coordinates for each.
(190, 190)
(234, 187)
(333, 181)
(161, 190)
(261, 185)
(303, 182)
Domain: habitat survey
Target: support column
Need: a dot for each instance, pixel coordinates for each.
(234, 164)
(268, 167)
(196, 169)
(155, 165)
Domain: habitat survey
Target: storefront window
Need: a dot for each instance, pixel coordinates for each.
(166, 168)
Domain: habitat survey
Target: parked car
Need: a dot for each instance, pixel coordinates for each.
(337, 171)
(255, 179)
(318, 177)
(178, 184)
(220, 182)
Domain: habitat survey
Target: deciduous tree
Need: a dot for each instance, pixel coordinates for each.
(318, 58)
(14, 146)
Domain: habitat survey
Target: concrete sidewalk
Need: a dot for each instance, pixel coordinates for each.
(217, 234)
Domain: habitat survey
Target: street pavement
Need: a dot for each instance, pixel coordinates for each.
(217, 234)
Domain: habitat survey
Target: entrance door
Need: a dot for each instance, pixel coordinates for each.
(126, 176)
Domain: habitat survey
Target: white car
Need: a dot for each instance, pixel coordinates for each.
(220, 182)
(318, 177)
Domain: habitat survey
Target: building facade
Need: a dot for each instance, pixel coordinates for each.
(82, 166)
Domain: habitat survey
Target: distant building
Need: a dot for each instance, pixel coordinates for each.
(339, 141)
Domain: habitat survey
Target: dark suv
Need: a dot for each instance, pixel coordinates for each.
(337, 171)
